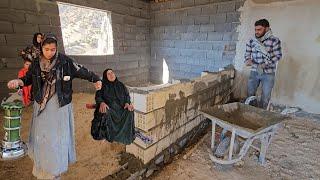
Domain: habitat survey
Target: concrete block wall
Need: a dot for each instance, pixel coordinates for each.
(193, 36)
(20, 19)
(172, 111)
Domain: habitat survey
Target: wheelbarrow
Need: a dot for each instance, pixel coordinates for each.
(245, 123)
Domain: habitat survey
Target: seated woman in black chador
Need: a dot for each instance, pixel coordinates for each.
(114, 116)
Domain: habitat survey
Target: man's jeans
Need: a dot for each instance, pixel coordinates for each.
(267, 81)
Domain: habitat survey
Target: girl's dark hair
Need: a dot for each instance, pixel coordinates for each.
(262, 22)
(49, 41)
(27, 60)
(34, 41)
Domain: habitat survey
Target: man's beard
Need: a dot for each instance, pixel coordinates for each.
(261, 35)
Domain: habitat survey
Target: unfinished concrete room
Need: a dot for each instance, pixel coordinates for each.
(159, 89)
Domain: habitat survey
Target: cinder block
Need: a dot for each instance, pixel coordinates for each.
(28, 5)
(218, 18)
(146, 155)
(215, 36)
(209, 9)
(117, 18)
(179, 44)
(224, 27)
(49, 8)
(201, 2)
(170, 29)
(2, 39)
(187, 20)
(233, 17)
(227, 7)
(175, 4)
(53, 29)
(193, 28)
(227, 36)
(135, 12)
(150, 100)
(215, 55)
(55, 21)
(5, 27)
(22, 40)
(9, 51)
(25, 28)
(37, 19)
(207, 28)
(202, 20)
(187, 3)
(4, 3)
(196, 11)
(12, 16)
(130, 20)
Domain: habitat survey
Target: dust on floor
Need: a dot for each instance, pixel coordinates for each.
(293, 154)
(95, 159)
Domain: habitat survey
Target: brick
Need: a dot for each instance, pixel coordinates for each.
(227, 7)
(218, 18)
(5, 27)
(202, 20)
(181, 29)
(170, 29)
(215, 55)
(2, 39)
(193, 28)
(11, 16)
(117, 18)
(179, 44)
(187, 3)
(215, 36)
(224, 27)
(55, 21)
(209, 9)
(135, 12)
(233, 17)
(205, 45)
(22, 40)
(140, 37)
(201, 2)
(49, 8)
(142, 22)
(130, 20)
(176, 4)
(28, 5)
(194, 11)
(227, 36)
(4, 3)
(127, 65)
(37, 19)
(53, 29)
(207, 28)
(25, 28)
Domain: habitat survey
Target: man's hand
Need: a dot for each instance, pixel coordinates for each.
(13, 84)
(103, 107)
(98, 85)
(129, 107)
(249, 62)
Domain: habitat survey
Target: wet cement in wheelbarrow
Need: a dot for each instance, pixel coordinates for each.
(246, 117)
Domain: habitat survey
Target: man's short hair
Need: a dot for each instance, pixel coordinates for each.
(262, 22)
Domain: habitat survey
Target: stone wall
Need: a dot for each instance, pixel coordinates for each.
(193, 36)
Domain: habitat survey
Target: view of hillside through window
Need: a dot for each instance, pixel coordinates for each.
(85, 31)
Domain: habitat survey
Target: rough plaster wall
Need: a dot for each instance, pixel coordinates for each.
(298, 75)
(19, 19)
(193, 36)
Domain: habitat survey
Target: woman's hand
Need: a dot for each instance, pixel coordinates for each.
(103, 107)
(129, 107)
(98, 85)
(13, 84)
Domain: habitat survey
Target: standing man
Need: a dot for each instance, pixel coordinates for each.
(262, 54)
